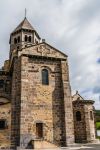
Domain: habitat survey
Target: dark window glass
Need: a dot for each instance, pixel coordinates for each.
(2, 124)
(15, 40)
(25, 38)
(78, 116)
(18, 39)
(91, 115)
(1, 83)
(30, 39)
(45, 77)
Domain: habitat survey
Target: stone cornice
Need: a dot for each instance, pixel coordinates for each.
(84, 101)
(43, 57)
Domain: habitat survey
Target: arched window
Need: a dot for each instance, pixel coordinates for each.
(78, 116)
(45, 77)
(15, 40)
(91, 115)
(1, 83)
(25, 38)
(3, 124)
(18, 39)
(29, 39)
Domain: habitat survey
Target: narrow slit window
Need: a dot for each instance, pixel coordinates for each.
(25, 38)
(18, 39)
(78, 116)
(30, 39)
(45, 77)
(15, 40)
(91, 115)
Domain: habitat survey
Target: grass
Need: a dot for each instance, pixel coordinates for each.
(98, 128)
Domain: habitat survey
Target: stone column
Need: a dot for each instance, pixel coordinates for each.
(67, 104)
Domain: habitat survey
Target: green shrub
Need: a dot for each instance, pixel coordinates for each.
(98, 137)
(97, 112)
(98, 125)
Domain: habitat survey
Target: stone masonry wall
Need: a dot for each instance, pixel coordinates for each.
(68, 109)
(5, 134)
(90, 125)
(5, 91)
(34, 103)
(5, 109)
(40, 103)
(79, 126)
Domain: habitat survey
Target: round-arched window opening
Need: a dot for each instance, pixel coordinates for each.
(91, 115)
(15, 40)
(78, 116)
(45, 77)
(26, 38)
(30, 39)
(18, 39)
(3, 124)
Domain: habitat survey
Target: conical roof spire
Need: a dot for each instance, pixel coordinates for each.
(24, 25)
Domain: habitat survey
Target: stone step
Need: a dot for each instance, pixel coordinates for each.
(4, 140)
(42, 144)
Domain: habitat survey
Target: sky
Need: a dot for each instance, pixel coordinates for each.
(72, 26)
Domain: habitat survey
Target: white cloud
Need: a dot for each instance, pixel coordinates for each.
(71, 26)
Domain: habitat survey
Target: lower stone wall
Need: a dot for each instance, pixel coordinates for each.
(59, 131)
(43, 103)
(5, 114)
(79, 126)
(84, 128)
(68, 109)
(90, 125)
(5, 89)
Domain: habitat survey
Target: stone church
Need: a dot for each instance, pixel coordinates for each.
(37, 109)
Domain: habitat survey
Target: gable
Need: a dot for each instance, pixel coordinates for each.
(77, 97)
(44, 50)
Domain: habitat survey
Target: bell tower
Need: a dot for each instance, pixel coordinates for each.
(23, 36)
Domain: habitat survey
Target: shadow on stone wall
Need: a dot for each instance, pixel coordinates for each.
(58, 110)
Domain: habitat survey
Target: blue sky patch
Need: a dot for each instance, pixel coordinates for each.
(98, 61)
